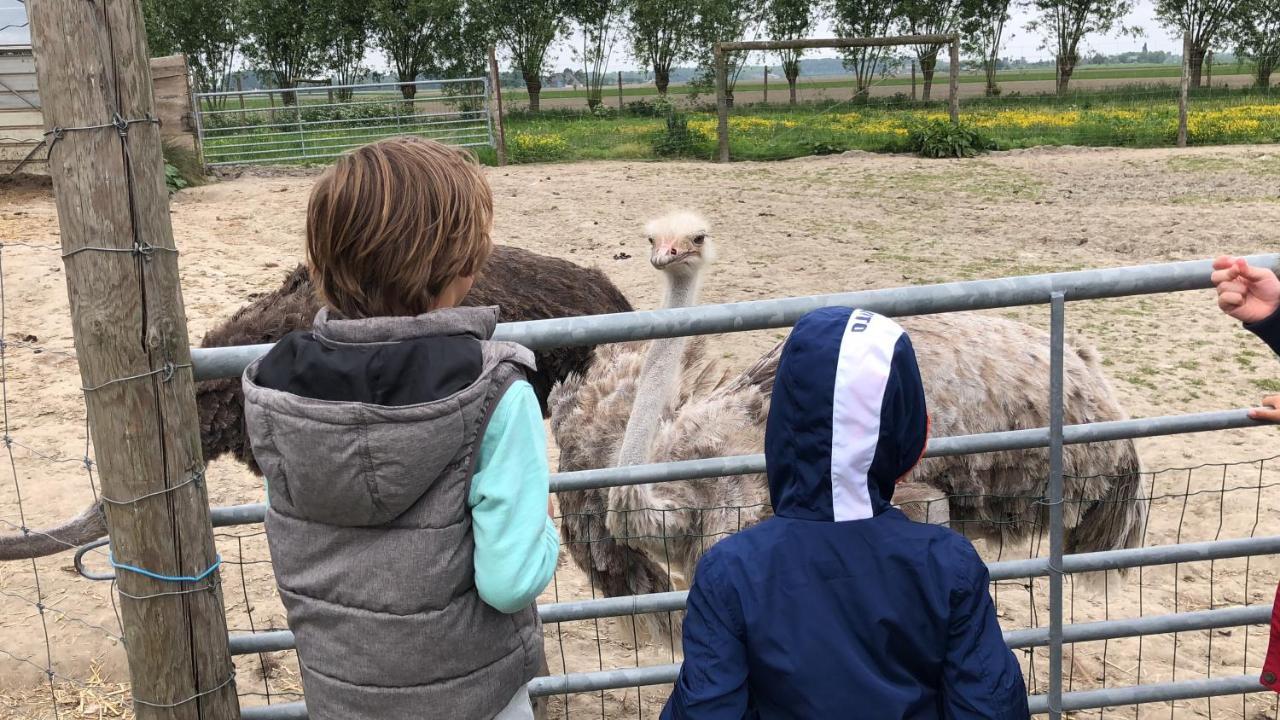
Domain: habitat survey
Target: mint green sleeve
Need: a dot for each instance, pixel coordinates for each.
(516, 544)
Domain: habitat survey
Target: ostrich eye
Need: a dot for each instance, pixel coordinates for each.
(650, 241)
(699, 239)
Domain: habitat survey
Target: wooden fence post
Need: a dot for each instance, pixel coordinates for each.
(619, 92)
(913, 81)
(766, 84)
(496, 81)
(722, 105)
(953, 99)
(131, 343)
(1182, 94)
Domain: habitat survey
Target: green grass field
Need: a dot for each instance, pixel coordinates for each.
(1136, 117)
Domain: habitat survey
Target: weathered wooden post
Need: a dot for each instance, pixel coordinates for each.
(913, 81)
(766, 84)
(722, 104)
(953, 99)
(131, 342)
(496, 80)
(1182, 94)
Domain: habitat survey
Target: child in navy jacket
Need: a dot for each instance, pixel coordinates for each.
(839, 606)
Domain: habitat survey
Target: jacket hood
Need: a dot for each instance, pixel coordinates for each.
(358, 418)
(847, 419)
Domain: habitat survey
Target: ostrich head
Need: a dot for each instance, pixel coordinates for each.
(680, 243)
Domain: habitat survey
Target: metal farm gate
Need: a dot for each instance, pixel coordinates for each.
(320, 122)
(1053, 289)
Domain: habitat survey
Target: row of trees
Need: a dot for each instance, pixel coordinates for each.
(291, 41)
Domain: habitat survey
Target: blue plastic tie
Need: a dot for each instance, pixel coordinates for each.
(166, 578)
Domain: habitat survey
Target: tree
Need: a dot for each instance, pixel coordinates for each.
(1066, 22)
(1255, 27)
(865, 18)
(349, 37)
(596, 19)
(982, 27)
(526, 29)
(1203, 20)
(789, 20)
(662, 33)
(724, 21)
(289, 40)
(206, 31)
(928, 17)
(410, 32)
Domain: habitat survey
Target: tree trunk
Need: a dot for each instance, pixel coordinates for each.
(533, 83)
(593, 97)
(989, 68)
(792, 71)
(1263, 72)
(728, 98)
(1066, 66)
(1197, 64)
(661, 79)
(287, 97)
(408, 89)
(928, 64)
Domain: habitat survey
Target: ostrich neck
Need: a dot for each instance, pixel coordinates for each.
(659, 381)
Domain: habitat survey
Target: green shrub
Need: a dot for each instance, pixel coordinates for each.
(182, 167)
(676, 140)
(942, 139)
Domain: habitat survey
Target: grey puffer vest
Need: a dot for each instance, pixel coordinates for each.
(370, 536)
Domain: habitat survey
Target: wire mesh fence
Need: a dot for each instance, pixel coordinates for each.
(317, 124)
(1183, 505)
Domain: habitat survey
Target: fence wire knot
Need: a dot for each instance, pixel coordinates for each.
(165, 372)
(118, 122)
(196, 478)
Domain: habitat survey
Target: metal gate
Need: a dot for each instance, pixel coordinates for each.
(320, 122)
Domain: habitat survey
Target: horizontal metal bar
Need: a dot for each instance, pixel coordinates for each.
(321, 156)
(247, 643)
(324, 88)
(309, 132)
(938, 447)
(837, 42)
(664, 674)
(1160, 692)
(1135, 627)
(1138, 557)
(295, 123)
(350, 141)
(225, 362)
(309, 156)
(389, 99)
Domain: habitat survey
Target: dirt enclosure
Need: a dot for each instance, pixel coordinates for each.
(791, 228)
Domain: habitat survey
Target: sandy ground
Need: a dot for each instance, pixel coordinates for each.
(791, 228)
(778, 92)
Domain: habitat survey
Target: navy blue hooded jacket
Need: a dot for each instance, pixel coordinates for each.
(839, 606)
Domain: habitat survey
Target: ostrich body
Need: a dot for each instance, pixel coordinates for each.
(665, 401)
(525, 285)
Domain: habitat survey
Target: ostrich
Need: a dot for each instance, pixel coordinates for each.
(666, 401)
(525, 285)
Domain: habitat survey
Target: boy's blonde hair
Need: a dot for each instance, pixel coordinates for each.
(393, 223)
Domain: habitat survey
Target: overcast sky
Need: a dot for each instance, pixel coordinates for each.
(1018, 41)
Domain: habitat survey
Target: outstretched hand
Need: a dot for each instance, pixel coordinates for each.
(1271, 411)
(1248, 294)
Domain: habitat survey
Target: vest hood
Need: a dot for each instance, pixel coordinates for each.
(848, 417)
